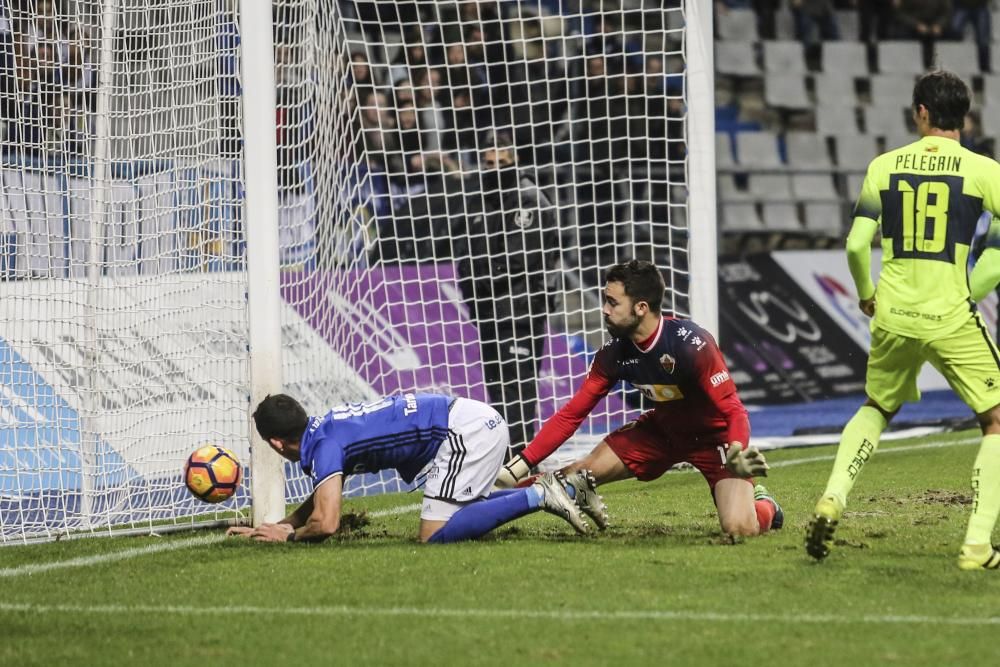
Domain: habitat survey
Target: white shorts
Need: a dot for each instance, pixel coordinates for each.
(467, 463)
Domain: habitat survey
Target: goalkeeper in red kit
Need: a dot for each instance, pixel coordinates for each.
(698, 418)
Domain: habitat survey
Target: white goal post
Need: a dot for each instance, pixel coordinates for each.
(205, 201)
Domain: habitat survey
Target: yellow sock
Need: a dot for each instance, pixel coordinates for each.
(985, 492)
(857, 444)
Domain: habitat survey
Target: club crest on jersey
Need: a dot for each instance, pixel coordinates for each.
(668, 363)
(524, 218)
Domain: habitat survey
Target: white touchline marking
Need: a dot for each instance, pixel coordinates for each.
(555, 615)
(404, 509)
(124, 554)
(830, 457)
(35, 568)
(879, 452)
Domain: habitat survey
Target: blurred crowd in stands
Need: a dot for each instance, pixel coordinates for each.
(47, 81)
(590, 91)
(588, 96)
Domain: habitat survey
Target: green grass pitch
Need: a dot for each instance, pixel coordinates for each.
(661, 587)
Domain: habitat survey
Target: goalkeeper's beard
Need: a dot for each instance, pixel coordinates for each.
(622, 330)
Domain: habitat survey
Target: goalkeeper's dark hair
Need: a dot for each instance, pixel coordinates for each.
(280, 416)
(642, 281)
(946, 98)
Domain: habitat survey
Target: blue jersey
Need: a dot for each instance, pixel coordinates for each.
(401, 432)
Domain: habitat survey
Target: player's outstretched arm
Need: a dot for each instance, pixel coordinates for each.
(324, 520)
(301, 514)
(556, 430)
(315, 520)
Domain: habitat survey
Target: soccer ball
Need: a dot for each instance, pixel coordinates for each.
(212, 473)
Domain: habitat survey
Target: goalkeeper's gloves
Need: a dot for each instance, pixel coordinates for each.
(513, 472)
(745, 463)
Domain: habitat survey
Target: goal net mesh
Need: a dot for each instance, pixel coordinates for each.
(426, 264)
(412, 260)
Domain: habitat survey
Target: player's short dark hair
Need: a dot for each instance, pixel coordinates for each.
(642, 281)
(946, 98)
(280, 416)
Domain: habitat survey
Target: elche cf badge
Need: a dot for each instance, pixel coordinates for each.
(668, 363)
(524, 218)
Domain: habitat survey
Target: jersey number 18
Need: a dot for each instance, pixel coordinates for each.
(918, 208)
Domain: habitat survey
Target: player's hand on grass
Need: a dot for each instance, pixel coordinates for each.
(747, 462)
(867, 306)
(239, 531)
(272, 532)
(513, 472)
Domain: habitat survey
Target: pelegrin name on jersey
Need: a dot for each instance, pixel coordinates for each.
(928, 162)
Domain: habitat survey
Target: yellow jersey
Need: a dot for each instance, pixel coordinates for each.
(927, 198)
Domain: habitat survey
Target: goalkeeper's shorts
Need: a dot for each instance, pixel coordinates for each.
(968, 360)
(649, 448)
(468, 460)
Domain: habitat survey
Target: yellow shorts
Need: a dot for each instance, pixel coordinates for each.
(968, 360)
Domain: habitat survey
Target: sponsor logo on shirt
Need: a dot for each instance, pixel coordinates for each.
(661, 393)
(719, 378)
(915, 314)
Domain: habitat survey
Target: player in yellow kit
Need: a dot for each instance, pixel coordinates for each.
(926, 198)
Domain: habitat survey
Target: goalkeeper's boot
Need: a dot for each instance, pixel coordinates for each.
(587, 498)
(978, 557)
(552, 488)
(819, 532)
(760, 493)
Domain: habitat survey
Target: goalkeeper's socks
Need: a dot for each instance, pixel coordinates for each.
(765, 514)
(858, 443)
(985, 492)
(478, 518)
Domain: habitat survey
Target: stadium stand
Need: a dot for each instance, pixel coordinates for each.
(820, 113)
(783, 105)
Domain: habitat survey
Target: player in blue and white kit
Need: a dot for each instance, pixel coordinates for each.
(462, 441)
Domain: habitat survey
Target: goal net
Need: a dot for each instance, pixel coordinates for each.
(452, 180)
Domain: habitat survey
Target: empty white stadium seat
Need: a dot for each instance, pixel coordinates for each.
(758, 149)
(900, 57)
